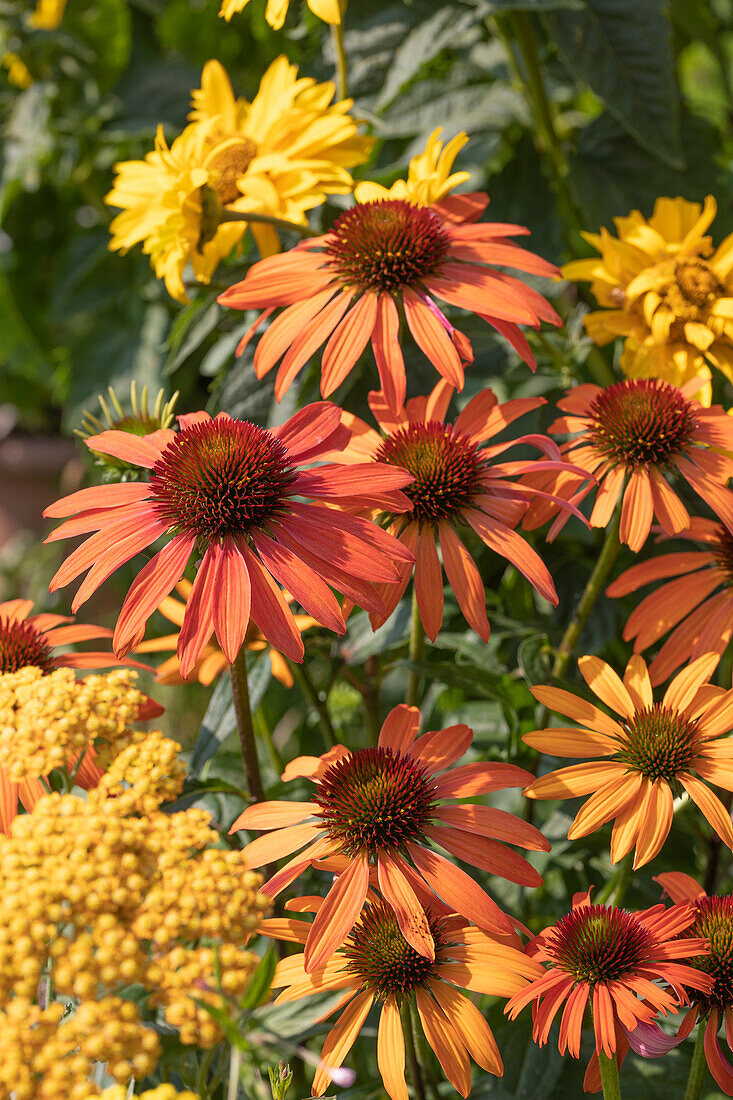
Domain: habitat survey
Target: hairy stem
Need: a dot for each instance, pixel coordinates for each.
(245, 728)
(413, 1066)
(592, 591)
(609, 1076)
(417, 648)
(698, 1067)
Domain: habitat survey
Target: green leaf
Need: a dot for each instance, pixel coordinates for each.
(261, 980)
(622, 50)
(536, 5)
(423, 43)
(106, 27)
(534, 659)
(220, 720)
(490, 105)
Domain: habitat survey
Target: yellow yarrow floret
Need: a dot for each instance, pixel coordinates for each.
(44, 1056)
(279, 155)
(429, 176)
(47, 720)
(144, 775)
(666, 290)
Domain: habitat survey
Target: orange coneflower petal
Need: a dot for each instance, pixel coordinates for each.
(546, 1011)
(357, 545)
(503, 540)
(139, 516)
(8, 802)
(309, 429)
(637, 511)
(448, 1047)
(411, 918)
(607, 685)
(471, 1025)
(340, 1040)
(668, 508)
(679, 886)
(564, 702)
(605, 804)
(347, 342)
(603, 1020)
(97, 497)
(284, 928)
(303, 582)
(607, 497)
(281, 842)
(638, 683)
(273, 815)
(399, 728)
(429, 583)
(388, 353)
(657, 569)
(338, 913)
(479, 778)
(490, 822)
(564, 741)
(270, 610)
(287, 874)
(459, 890)
(489, 855)
(313, 767)
(572, 1020)
(576, 780)
(711, 806)
(718, 1064)
(391, 1050)
(232, 598)
(151, 585)
(361, 592)
(309, 340)
(123, 545)
(465, 580)
(475, 292)
(198, 622)
(684, 687)
(431, 337)
(436, 751)
(657, 823)
(628, 823)
(279, 336)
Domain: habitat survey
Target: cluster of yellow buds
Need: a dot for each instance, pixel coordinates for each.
(146, 773)
(45, 1055)
(107, 892)
(47, 720)
(185, 980)
(162, 1092)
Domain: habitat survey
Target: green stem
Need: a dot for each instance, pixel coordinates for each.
(311, 696)
(245, 728)
(547, 139)
(413, 1066)
(422, 1051)
(342, 82)
(267, 219)
(235, 1061)
(698, 1067)
(592, 591)
(417, 648)
(615, 889)
(609, 1077)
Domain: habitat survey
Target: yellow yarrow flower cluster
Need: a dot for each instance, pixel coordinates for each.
(47, 720)
(19, 75)
(666, 289)
(429, 176)
(330, 11)
(44, 1056)
(109, 892)
(48, 15)
(279, 155)
(162, 1092)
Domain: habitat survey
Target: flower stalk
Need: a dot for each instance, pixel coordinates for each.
(416, 651)
(312, 697)
(609, 1076)
(245, 727)
(267, 219)
(593, 589)
(342, 79)
(698, 1067)
(413, 1066)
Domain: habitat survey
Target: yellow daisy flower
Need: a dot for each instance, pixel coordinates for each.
(48, 15)
(280, 155)
(330, 11)
(429, 176)
(665, 289)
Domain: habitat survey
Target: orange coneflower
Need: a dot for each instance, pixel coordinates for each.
(609, 959)
(457, 485)
(649, 754)
(376, 965)
(29, 641)
(212, 661)
(697, 606)
(345, 287)
(714, 923)
(379, 808)
(226, 490)
(632, 436)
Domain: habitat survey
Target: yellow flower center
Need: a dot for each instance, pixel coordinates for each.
(226, 164)
(688, 290)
